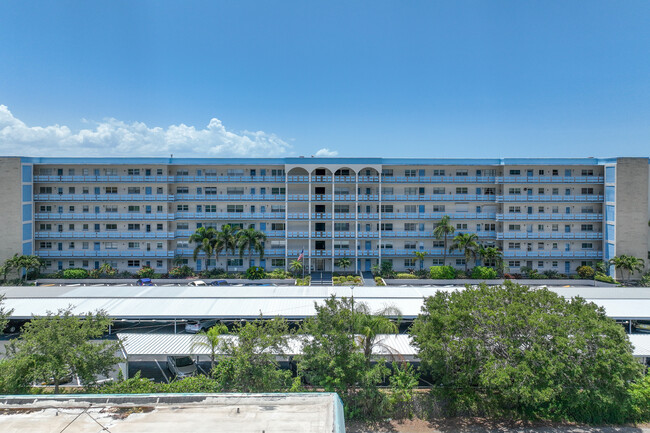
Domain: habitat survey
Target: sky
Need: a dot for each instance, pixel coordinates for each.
(329, 78)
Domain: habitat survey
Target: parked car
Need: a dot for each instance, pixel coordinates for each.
(194, 326)
(197, 283)
(218, 283)
(181, 366)
(144, 282)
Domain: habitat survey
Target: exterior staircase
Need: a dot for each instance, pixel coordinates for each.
(320, 278)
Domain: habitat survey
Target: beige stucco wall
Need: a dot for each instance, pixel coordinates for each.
(632, 207)
(11, 213)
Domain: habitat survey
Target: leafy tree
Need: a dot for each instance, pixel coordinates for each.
(255, 273)
(442, 229)
(250, 240)
(212, 340)
(57, 346)
(249, 360)
(343, 263)
(332, 360)
(586, 272)
(402, 383)
(205, 240)
(296, 266)
(492, 257)
(367, 327)
(5, 269)
(467, 243)
(226, 241)
(627, 263)
(512, 350)
(420, 255)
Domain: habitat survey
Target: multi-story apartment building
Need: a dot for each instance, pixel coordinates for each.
(546, 214)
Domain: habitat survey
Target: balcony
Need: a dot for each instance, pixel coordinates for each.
(228, 215)
(103, 216)
(438, 197)
(438, 179)
(550, 179)
(437, 215)
(164, 179)
(551, 235)
(272, 252)
(553, 254)
(229, 197)
(105, 253)
(103, 197)
(104, 235)
(549, 198)
(550, 217)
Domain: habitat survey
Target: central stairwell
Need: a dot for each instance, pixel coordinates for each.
(321, 278)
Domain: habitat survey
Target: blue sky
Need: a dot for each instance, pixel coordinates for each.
(360, 78)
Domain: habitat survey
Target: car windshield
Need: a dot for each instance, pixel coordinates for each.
(184, 361)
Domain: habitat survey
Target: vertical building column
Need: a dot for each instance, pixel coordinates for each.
(308, 223)
(356, 223)
(379, 243)
(286, 220)
(333, 220)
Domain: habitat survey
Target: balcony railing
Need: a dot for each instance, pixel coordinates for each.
(556, 235)
(550, 217)
(437, 215)
(104, 235)
(550, 198)
(229, 215)
(438, 197)
(105, 253)
(552, 254)
(103, 216)
(103, 197)
(165, 179)
(550, 179)
(229, 197)
(438, 179)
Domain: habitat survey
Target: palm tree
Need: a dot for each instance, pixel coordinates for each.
(420, 255)
(368, 326)
(466, 242)
(491, 256)
(205, 240)
(251, 240)
(296, 266)
(442, 229)
(226, 241)
(212, 340)
(343, 263)
(627, 263)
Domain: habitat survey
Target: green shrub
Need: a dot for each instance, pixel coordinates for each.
(145, 272)
(586, 272)
(604, 278)
(405, 276)
(303, 281)
(255, 273)
(442, 273)
(181, 272)
(278, 274)
(645, 280)
(75, 273)
(379, 281)
(483, 273)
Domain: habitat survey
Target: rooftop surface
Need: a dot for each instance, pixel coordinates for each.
(164, 413)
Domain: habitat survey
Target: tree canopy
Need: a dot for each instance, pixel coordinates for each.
(516, 350)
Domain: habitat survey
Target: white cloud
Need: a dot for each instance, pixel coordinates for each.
(113, 137)
(326, 152)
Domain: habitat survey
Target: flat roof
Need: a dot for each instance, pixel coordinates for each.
(173, 413)
(249, 302)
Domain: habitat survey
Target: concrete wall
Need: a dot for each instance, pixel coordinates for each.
(11, 221)
(632, 207)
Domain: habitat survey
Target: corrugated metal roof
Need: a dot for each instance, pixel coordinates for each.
(188, 344)
(249, 302)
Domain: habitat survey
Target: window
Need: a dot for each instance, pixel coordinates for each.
(555, 173)
(134, 245)
(514, 209)
(341, 208)
(278, 263)
(159, 245)
(182, 208)
(85, 227)
(337, 226)
(110, 208)
(554, 245)
(514, 245)
(461, 190)
(462, 172)
(540, 191)
(410, 173)
(182, 190)
(540, 264)
(277, 208)
(438, 244)
(410, 245)
(133, 190)
(514, 227)
(133, 226)
(438, 208)
(410, 208)
(237, 208)
(540, 172)
(587, 246)
(514, 191)
(540, 227)
(460, 262)
(133, 172)
(85, 190)
(461, 226)
(212, 208)
(555, 191)
(235, 172)
(182, 244)
(388, 227)
(182, 172)
(85, 208)
(587, 191)
(84, 245)
(555, 209)
(133, 263)
(567, 191)
(555, 228)
(110, 245)
(71, 227)
(45, 245)
(411, 190)
(514, 263)
(133, 208)
(235, 190)
(409, 227)
(409, 263)
(540, 245)
(111, 226)
(45, 190)
(587, 172)
(283, 190)
(159, 263)
(45, 227)
(515, 172)
(587, 227)
(587, 209)
(235, 262)
(540, 209)
(110, 190)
